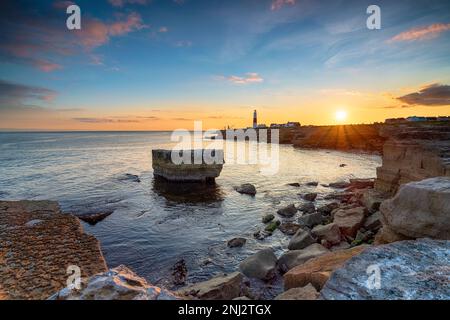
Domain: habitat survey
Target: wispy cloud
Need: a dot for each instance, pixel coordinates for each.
(278, 4)
(116, 119)
(183, 43)
(13, 94)
(248, 78)
(430, 95)
(163, 29)
(422, 33)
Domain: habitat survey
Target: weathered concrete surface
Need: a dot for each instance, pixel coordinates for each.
(409, 270)
(37, 244)
(419, 209)
(207, 169)
(119, 283)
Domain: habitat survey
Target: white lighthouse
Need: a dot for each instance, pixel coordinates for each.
(255, 120)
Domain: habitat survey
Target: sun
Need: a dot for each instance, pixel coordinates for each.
(341, 115)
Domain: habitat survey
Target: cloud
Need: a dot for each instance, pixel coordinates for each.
(431, 95)
(163, 29)
(16, 95)
(116, 119)
(121, 3)
(422, 33)
(278, 4)
(183, 43)
(250, 77)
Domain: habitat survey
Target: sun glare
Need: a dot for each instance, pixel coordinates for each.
(341, 115)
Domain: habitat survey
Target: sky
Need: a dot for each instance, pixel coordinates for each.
(163, 64)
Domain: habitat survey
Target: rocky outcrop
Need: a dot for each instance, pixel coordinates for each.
(307, 292)
(349, 220)
(116, 284)
(419, 209)
(318, 270)
(225, 287)
(200, 165)
(407, 270)
(414, 152)
(37, 245)
(261, 265)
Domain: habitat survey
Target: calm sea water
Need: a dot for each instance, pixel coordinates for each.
(151, 227)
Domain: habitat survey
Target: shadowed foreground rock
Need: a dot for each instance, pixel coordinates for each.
(37, 244)
(410, 270)
(116, 284)
(218, 288)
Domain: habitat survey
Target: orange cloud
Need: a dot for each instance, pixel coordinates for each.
(250, 77)
(278, 4)
(421, 33)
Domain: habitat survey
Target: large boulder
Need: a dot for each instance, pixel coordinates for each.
(310, 220)
(246, 188)
(329, 232)
(317, 271)
(294, 258)
(116, 284)
(307, 292)
(307, 208)
(288, 211)
(420, 209)
(261, 265)
(224, 287)
(371, 199)
(300, 240)
(349, 220)
(407, 270)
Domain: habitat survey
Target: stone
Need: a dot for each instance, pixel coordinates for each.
(326, 209)
(373, 222)
(387, 235)
(310, 220)
(310, 196)
(371, 199)
(246, 188)
(288, 211)
(339, 185)
(409, 270)
(236, 242)
(307, 292)
(318, 270)
(300, 240)
(242, 298)
(294, 258)
(342, 165)
(420, 209)
(37, 244)
(94, 218)
(179, 272)
(272, 226)
(267, 218)
(361, 183)
(307, 208)
(294, 184)
(261, 265)
(342, 196)
(329, 232)
(130, 177)
(224, 287)
(209, 168)
(343, 245)
(312, 184)
(119, 283)
(349, 220)
(289, 228)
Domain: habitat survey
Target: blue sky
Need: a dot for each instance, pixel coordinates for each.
(169, 60)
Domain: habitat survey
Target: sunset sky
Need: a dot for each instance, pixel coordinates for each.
(161, 64)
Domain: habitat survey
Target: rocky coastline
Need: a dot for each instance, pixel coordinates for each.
(398, 220)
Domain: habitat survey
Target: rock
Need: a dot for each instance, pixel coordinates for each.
(341, 246)
(301, 240)
(224, 287)
(339, 185)
(329, 233)
(246, 188)
(294, 184)
(294, 258)
(420, 209)
(361, 183)
(371, 199)
(236, 242)
(131, 177)
(242, 298)
(288, 211)
(310, 220)
(310, 196)
(289, 228)
(317, 271)
(409, 270)
(37, 244)
(209, 167)
(116, 284)
(326, 209)
(342, 165)
(312, 184)
(179, 272)
(307, 292)
(260, 265)
(349, 220)
(272, 226)
(261, 235)
(307, 208)
(373, 222)
(342, 196)
(94, 218)
(387, 235)
(267, 218)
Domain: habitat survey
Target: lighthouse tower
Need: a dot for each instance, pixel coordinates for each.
(255, 120)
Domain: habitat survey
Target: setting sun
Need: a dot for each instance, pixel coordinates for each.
(341, 115)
